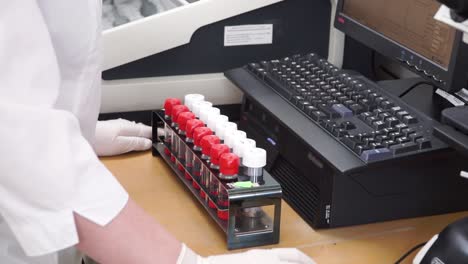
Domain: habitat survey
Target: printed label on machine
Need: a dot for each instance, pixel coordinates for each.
(248, 35)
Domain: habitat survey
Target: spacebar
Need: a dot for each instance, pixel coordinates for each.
(278, 87)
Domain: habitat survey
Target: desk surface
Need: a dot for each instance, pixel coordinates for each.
(152, 185)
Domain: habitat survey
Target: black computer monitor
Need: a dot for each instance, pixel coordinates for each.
(405, 30)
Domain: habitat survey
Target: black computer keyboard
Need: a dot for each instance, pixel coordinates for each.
(370, 122)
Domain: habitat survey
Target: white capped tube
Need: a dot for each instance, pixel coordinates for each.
(189, 99)
(242, 145)
(213, 120)
(197, 106)
(223, 128)
(231, 137)
(205, 113)
(253, 162)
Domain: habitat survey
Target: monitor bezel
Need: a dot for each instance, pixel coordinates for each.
(405, 56)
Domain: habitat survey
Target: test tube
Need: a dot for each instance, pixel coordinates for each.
(213, 120)
(198, 134)
(253, 161)
(206, 112)
(229, 170)
(206, 143)
(182, 120)
(222, 128)
(189, 99)
(190, 127)
(233, 136)
(176, 111)
(199, 105)
(168, 104)
(215, 154)
(240, 147)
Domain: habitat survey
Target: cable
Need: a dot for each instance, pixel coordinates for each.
(414, 86)
(409, 252)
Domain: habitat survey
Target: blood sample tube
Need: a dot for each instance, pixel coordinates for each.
(206, 143)
(189, 99)
(182, 123)
(190, 127)
(198, 134)
(216, 152)
(233, 136)
(199, 105)
(213, 120)
(168, 104)
(176, 111)
(229, 169)
(222, 128)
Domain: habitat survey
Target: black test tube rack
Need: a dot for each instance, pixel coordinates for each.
(252, 214)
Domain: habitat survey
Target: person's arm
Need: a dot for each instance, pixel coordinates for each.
(132, 237)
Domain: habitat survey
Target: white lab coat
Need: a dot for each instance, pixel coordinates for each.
(49, 101)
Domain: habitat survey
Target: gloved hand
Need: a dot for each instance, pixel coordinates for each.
(255, 256)
(120, 136)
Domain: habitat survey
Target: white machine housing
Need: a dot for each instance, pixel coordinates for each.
(142, 38)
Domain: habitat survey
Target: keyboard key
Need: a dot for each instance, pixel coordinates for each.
(401, 127)
(392, 121)
(379, 125)
(357, 109)
(409, 131)
(351, 141)
(395, 135)
(364, 116)
(401, 114)
(376, 154)
(340, 132)
(348, 125)
(367, 141)
(389, 143)
(424, 143)
(328, 111)
(303, 104)
(359, 149)
(309, 109)
(370, 121)
(387, 105)
(395, 109)
(403, 140)
(382, 138)
(416, 136)
(318, 116)
(404, 148)
(409, 120)
(342, 110)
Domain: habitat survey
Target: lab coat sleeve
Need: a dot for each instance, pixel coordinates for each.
(48, 170)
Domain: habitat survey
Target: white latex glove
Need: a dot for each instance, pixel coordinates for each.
(120, 136)
(255, 256)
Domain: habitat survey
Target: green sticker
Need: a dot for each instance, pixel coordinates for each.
(244, 184)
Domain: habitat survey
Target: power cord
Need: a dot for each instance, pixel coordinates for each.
(414, 86)
(409, 252)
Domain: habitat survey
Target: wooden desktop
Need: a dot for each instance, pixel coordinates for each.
(152, 185)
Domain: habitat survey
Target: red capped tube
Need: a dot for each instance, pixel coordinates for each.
(229, 166)
(206, 143)
(176, 111)
(198, 134)
(169, 104)
(216, 152)
(182, 120)
(190, 127)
